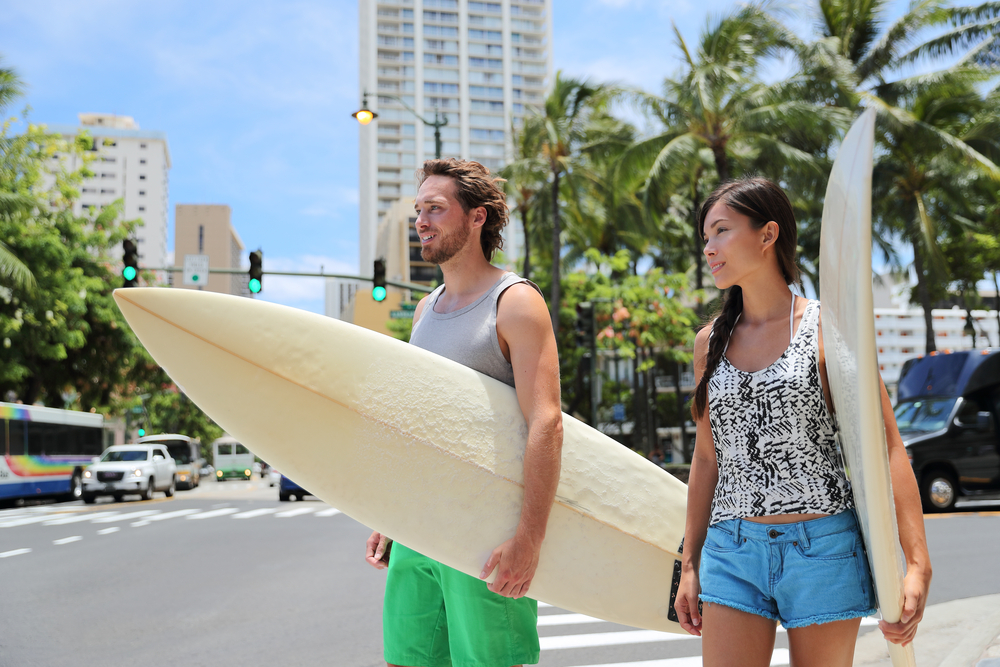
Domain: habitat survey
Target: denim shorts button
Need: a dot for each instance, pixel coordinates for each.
(773, 533)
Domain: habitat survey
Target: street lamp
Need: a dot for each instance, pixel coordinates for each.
(365, 116)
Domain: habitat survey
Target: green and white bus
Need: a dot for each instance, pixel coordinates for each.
(231, 459)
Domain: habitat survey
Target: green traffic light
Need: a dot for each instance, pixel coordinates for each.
(379, 293)
(142, 432)
(129, 273)
(254, 285)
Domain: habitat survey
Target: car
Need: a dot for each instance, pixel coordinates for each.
(287, 489)
(130, 469)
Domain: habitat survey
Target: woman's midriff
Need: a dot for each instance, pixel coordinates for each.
(784, 518)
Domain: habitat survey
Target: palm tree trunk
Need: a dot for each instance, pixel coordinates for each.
(526, 268)
(721, 162)
(556, 252)
(699, 257)
(925, 299)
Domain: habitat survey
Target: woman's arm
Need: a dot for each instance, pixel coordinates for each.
(701, 489)
(910, 518)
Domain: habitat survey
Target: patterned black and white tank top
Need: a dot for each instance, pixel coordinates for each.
(775, 440)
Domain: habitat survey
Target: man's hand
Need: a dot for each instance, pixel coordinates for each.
(377, 554)
(515, 563)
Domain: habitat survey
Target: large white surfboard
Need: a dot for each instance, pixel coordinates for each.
(420, 448)
(852, 364)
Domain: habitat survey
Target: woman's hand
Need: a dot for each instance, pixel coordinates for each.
(915, 587)
(686, 603)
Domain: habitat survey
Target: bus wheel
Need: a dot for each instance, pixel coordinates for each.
(172, 487)
(938, 490)
(76, 487)
(148, 494)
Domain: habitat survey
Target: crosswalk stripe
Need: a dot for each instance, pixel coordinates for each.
(15, 552)
(24, 521)
(333, 511)
(566, 619)
(214, 513)
(778, 658)
(172, 515)
(608, 639)
(108, 531)
(79, 517)
(295, 512)
(258, 512)
(67, 540)
(126, 517)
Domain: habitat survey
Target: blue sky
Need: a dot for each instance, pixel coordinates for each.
(255, 98)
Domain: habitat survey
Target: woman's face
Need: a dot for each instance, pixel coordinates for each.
(733, 247)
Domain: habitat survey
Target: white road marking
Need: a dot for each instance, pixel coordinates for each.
(566, 619)
(608, 639)
(258, 512)
(23, 521)
(170, 515)
(333, 511)
(108, 531)
(295, 512)
(67, 540)
(15, 552)
(214, 513)
(78, 518)
(778, 658)
(126, 517)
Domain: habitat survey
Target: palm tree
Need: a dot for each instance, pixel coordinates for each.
(558, 130)
(526, 177)
(12, 203)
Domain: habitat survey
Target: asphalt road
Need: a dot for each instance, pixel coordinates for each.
(227, 575)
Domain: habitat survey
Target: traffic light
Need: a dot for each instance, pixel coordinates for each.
(584, 324)
(378, 280)
(256, 271)
(141, 431)
(130, 272)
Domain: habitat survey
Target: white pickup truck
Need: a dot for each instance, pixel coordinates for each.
(124, 469)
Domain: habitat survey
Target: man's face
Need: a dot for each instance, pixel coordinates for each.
(443, 227)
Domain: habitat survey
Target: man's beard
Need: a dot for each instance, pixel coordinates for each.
(448, 246)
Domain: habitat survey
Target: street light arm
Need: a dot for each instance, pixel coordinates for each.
(435, 123)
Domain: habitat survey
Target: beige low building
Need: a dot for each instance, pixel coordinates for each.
(206, 229)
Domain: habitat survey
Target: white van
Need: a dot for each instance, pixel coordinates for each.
(231, 459)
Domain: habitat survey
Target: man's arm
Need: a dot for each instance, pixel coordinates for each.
(525, 333)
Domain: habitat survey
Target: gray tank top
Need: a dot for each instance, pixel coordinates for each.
(468, 335)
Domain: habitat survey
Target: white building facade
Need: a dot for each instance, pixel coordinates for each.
(132, 164)
(478, 64)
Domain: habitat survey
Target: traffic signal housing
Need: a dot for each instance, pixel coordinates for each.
(584, 324)
(130, 272)
(256, 271)
(378, 281)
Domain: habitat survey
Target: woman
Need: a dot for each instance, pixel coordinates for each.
(771, 531)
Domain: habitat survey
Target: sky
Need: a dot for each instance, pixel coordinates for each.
(256, 99)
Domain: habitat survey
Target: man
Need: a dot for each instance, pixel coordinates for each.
(497, 323)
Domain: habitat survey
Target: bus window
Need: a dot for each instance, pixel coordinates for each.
(240, 449)
(225, 449)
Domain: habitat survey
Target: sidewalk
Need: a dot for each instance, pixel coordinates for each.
(960, 633)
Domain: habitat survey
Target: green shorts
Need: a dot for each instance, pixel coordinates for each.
(435, 616)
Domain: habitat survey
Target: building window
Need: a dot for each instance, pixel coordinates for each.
(142, 145)
(142, 160)
(142, 193)
(142, 208)
(108, 191)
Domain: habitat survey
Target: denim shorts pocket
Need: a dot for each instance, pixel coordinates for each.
(837, 546)
(721, 540)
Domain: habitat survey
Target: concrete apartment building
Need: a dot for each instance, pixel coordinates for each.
(206, 229)
(132, 164)
(479, 64)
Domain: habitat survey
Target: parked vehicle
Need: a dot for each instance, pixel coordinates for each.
(130, 469)
(186, 453)
(287, 489)
(231, 459)
(947, 411)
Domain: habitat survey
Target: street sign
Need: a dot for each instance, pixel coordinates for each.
(618, 410)
(196, 269)
(401, 314)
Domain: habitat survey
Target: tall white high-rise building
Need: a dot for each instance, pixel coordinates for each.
(132, 164)
(478, 64)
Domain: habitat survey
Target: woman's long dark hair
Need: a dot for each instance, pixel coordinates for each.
(762, 201)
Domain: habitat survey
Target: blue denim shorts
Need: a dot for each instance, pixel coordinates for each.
(797, 573)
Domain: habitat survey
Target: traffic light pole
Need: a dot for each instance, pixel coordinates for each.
(302, 274)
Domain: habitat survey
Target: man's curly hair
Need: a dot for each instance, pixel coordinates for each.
(475, 187)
